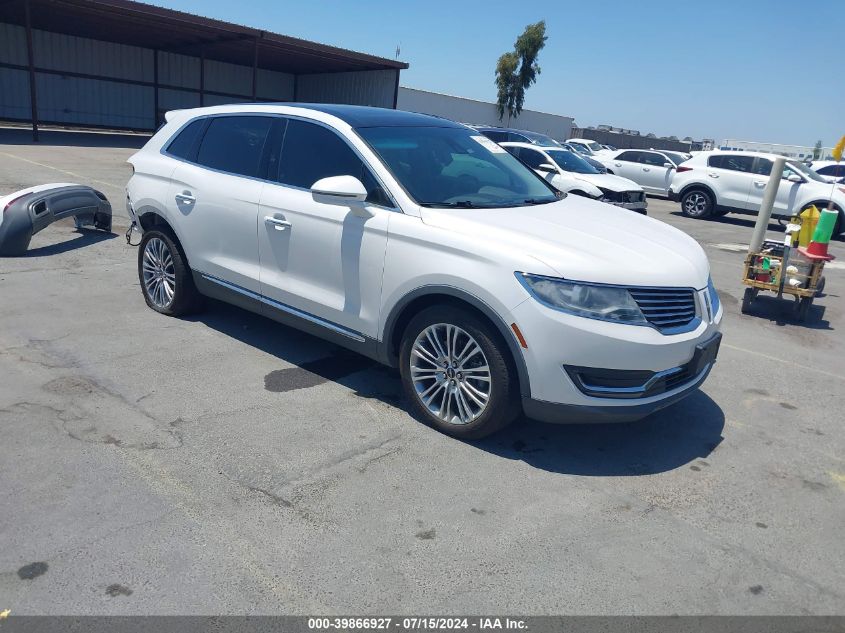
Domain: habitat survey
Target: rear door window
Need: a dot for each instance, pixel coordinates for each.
(311, 152)
(735, 162)
(631, 157)
(235, 144)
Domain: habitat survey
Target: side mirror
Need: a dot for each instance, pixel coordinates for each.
(795, 178)
(339, 190)
(668, 165)
(547, 167)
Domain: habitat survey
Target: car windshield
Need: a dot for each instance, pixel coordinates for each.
(568, 161)
(456, 167)
(595, 146)
(802, 169)
(675, 158)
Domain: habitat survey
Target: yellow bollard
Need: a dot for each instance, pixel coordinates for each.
(809, 219)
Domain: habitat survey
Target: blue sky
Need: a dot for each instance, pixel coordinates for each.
(763, 70)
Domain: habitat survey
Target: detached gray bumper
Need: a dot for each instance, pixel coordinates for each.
(26, 215)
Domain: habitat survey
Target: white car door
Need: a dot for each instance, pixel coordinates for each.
(788, 192)
(217, 198)
(323, 259)
(731, 176)
(656, 176)
(627, 165)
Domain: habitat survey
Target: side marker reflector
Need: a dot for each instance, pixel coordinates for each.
(519, 336)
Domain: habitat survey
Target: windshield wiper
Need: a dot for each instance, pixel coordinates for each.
(539, 200)
(461, 204)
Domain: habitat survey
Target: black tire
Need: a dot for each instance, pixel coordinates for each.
(747, 299)
(820, 286)
(802, 308)
(697, 203)
(185, 299)
(502, 403)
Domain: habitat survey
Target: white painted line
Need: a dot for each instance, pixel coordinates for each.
(783, 360)
(64, 171)
(741, 248)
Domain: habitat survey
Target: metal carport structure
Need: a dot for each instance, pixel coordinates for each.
(120, 64)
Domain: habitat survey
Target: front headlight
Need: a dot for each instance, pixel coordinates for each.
(607, 303)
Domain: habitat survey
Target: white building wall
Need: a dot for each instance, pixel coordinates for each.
(790, 151)
(481, 112)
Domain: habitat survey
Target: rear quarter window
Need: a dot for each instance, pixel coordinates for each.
(184, 144)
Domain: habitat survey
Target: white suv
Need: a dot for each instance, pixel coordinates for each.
(720, 182)
(569, 172)
(422, 244)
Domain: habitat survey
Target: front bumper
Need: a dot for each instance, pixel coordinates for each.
(628, 201)
(557, 413)
(557, 341)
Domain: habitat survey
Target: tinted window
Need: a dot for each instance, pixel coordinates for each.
(633, 157)
(312, 152)
(735, 162)
(653, 158)
(532, 158)
(833, 170)
(234, 144)
(184, 145)
(499, 137)
(572, 162)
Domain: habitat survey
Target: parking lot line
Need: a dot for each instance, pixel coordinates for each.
(63, 171)
(783, 360)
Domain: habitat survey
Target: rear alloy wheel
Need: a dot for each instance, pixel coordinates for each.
(165, 278)
(456, 374)
(697, 204)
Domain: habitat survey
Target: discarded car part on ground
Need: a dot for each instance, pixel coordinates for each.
(24, 213)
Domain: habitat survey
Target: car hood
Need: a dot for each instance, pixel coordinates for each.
(609, 181)
(585, 240)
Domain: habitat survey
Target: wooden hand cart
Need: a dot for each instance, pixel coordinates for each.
(767, 270)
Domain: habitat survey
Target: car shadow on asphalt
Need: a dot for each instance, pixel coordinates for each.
(686, 431)
(84, 238)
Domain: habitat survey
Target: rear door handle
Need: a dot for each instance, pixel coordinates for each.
(185, 198)
(713, 175)
(646, 169)
(759, 184)
(279, 225)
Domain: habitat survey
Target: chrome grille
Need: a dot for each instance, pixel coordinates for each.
(665, 308)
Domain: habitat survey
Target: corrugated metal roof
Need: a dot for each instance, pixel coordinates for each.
(135, 23)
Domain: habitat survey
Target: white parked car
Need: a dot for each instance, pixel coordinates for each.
(651, 169)
(830, 170)
(722, 182)
(422, 244)
(586, 146)
(570, 173)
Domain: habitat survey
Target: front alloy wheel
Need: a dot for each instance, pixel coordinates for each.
(450, 373)
(458, 373)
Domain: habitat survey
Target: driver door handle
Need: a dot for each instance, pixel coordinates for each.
(279, 225)
(646, 169)
(759, 184)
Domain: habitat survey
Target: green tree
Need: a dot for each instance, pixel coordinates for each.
(517, 70)
(817, 150)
